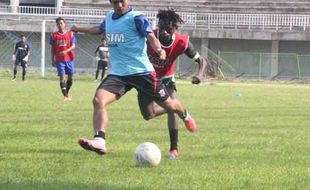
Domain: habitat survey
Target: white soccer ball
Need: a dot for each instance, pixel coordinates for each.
(147, 154)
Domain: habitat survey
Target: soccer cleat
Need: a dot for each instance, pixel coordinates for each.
(14, 79)
(173, 154)
(97, 145)
(190, 123)
(67, 98)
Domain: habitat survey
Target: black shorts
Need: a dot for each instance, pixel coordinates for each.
(147, 84)
(21, 63)
(102, 65)
(167, 82)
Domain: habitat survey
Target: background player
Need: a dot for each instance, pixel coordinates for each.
(174, 44)
(102, 56)
(63, 43)
(20, 56)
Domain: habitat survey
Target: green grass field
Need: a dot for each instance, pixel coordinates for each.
(257, 140)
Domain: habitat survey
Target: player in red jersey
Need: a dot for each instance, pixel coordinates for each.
(63, 43)
(174, 44)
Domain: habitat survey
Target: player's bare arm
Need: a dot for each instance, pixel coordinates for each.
(155, 44)
(202, 63)
(91, 30)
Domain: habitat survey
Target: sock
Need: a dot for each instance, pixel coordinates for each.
(173, 139)
(24, 73)
(97, 73)
(184, 115)
(69, 84)
(63, 88)
(100, 134)
(15, 72)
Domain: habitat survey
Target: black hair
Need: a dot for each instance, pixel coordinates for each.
(59, 19)
(170, 15)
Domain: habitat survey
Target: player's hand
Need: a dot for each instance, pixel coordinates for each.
(62, 53)
(13, 57)
(75, 28)
(26, 58)
(162, 54)
(97, 58)
(196, 79)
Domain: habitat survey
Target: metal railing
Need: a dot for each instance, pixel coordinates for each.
(202, 21)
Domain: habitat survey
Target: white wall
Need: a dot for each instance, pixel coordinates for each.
(38, 1)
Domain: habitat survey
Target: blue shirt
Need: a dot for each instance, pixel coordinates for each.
(142, 24)
(126, 36)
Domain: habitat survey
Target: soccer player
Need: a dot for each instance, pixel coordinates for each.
(102, 56)
(20, 56)
(126, 31)
(63, 43)
(174, 44)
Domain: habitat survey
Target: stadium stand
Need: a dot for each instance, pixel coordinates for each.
(203, 6)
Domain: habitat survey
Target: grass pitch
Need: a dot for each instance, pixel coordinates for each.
(250, 136)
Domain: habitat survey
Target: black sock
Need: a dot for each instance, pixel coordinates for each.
(97, 73)
(184, 115)
(173, 134)
(69, 84)
(24, 73)
(63, 88)
(15, 72)
(100, 134)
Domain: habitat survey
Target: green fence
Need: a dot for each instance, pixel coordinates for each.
(265, 65)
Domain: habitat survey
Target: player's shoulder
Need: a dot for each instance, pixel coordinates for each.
(182, 38)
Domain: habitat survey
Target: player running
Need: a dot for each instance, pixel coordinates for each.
(127, 31)
(174, 45)
(63, 43)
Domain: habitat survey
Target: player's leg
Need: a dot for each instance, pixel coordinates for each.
(173, 128)
(104, 68)
(15, 70)
(108, 91)
(70, 72)
(154, 88)
(63, 86)
(97, 70)
(148, 107)
(24, 66)
(69, 83)
(100, 122)
(175, 106)
(62, 82)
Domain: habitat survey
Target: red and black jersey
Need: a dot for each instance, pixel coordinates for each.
(61, 42)
(177, 47)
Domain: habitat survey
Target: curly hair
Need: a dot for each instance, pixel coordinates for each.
(170, 15)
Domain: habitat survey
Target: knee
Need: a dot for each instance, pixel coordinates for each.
(147, 116)
(170, 105)
(98, 102)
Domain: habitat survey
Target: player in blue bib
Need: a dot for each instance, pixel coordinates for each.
(127, 31)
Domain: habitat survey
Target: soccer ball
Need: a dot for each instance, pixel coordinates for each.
(147, 154)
